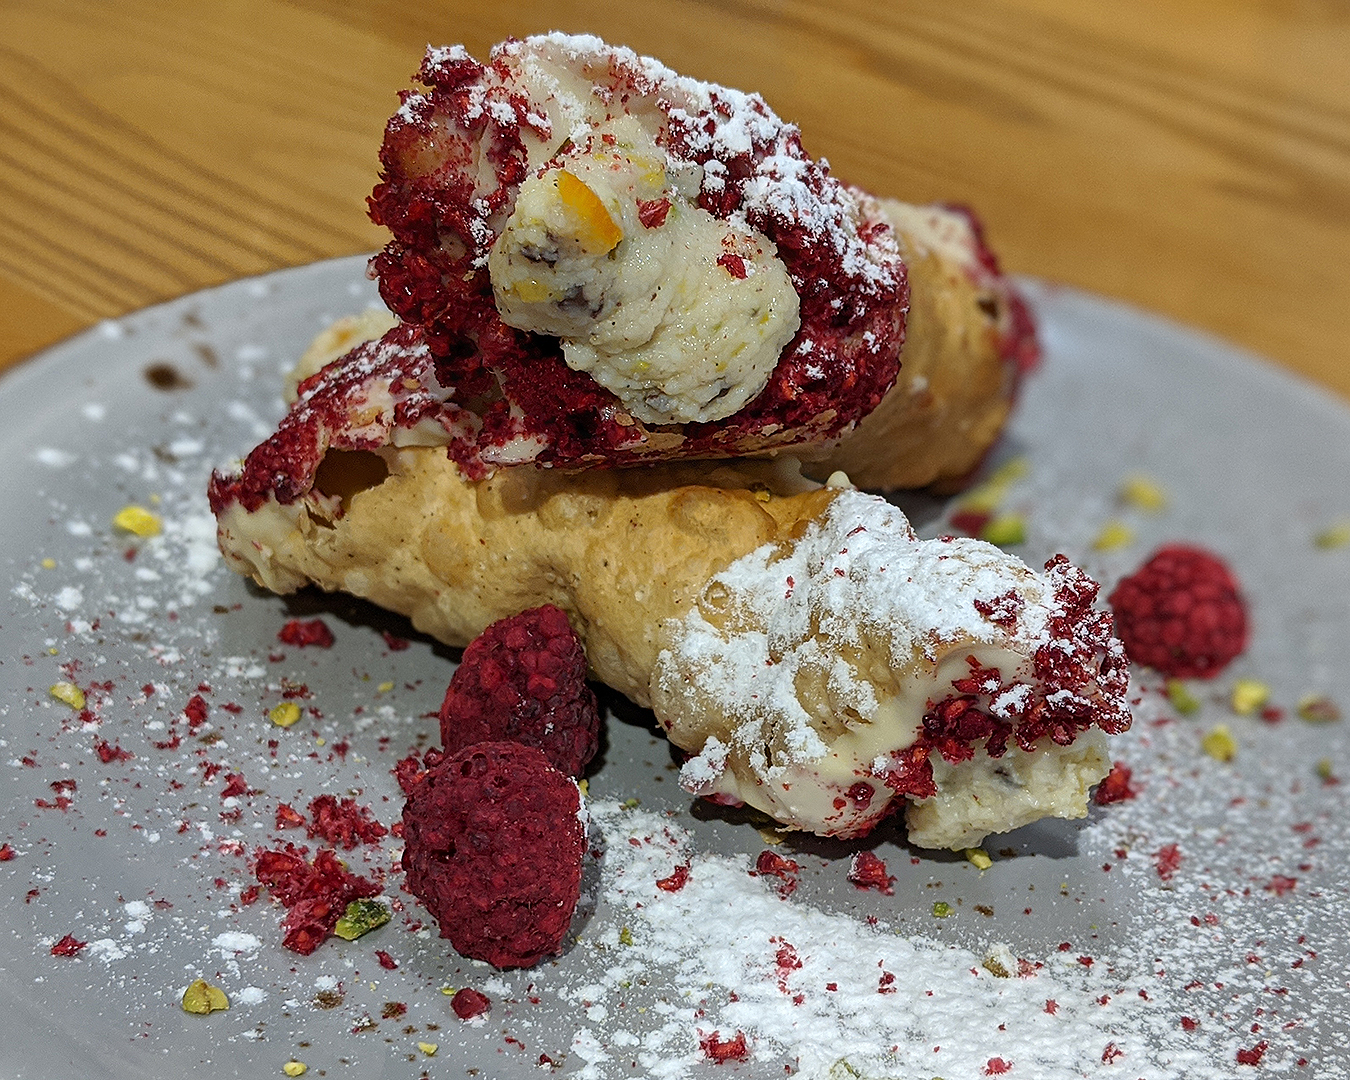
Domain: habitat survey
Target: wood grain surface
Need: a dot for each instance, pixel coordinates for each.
(1191, 157)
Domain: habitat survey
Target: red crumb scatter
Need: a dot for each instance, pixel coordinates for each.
(1168, 861)
(1051, 1006)
(493, 847)
(196, 711)
(235, 785)
(1111, 1052)
(393, 1010)
(867, 871)
(386, 961)
(1181, 613)
(304, 632)
(523, 680)
(1281, 885)
(6, 852)
(997, 1067)
(1116, 786)
(393, 642)
(343, 823)
(68, 946)
(720, 1049)
(249, 896)
(652, 212)
(1189, 1023)
(1253, 1055)
(108, 752)
(288, 817)
(769, 864)
(315, 894)
(468, 1003)
(676, 881)
(1086, 961)
(733, 265)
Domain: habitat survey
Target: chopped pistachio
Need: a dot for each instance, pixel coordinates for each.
(1005, 530)
(1143, 493)
(1219, 743)
(979, 857)
(201, 998)
(1179, 694)
(625, 936)
(1113, 536)
(1318, 709)
(360, 918)
(1249, 695)
(138, 521)
(941, 909)
(584, 786)
(1325, 768)
(428, 1048)
(1334, 536)
(285, 714)
(772, 837)
(295, 1068)
(49, 563)
(68, 694)
(631, 803)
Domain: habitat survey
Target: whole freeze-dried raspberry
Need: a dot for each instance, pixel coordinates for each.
(493, 843)
(1181, 613)
(523, 679)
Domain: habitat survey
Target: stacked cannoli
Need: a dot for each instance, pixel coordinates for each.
(607, 282)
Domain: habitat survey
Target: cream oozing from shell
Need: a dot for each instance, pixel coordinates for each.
(806, 669)
(681, 315)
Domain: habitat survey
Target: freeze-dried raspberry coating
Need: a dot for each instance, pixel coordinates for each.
(493, 844)
(1181, 613)
(524, 680)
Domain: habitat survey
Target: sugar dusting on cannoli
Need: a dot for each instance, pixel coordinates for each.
(826, 679)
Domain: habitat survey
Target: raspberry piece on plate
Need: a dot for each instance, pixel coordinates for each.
(493, 845)
(524, 680)
(1181, 613)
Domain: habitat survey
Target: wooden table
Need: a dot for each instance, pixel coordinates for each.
(1190, 156)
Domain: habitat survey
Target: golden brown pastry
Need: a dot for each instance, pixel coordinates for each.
(816, 659)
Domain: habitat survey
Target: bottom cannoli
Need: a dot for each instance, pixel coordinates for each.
(813, 657)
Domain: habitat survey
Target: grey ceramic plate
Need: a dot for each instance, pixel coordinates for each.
(1229, 948)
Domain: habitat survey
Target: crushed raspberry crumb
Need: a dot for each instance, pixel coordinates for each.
(997, 1067)
(301, 632)
(1116, 786)
(393, 642)
(468, 1003)
(68, 946)
(315, 894)
(769, 864)
(196, 711)
(1168, 861)
(342, 823)
(1181, 613)
(386, 961)
(1189, 1023)
(867, 871)
(720, 1049)
(1281, 885)
(1254, 1055)
(677, 880)
(288, 817)
(6, 853)
(523, 679)
(109, 752)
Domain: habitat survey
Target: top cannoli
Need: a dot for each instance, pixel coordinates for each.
(613, 264)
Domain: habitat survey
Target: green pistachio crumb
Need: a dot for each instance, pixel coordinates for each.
(360, 918)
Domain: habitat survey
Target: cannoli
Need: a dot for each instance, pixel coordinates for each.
(814, 658)
(613, 264)
(970, 337)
